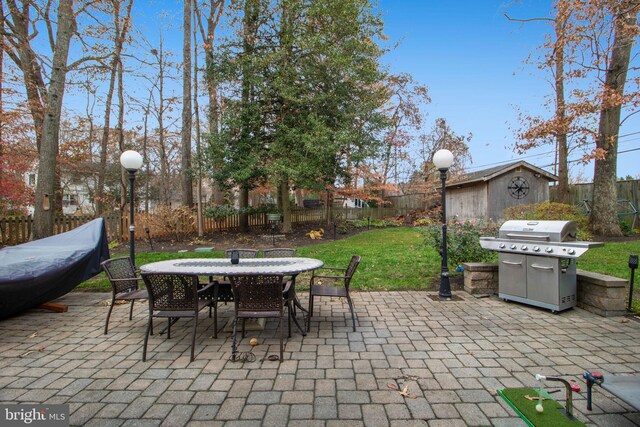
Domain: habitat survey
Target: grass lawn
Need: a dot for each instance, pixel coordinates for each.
(612, 259)
(393, 259)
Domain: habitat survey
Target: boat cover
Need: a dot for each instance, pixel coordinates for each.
(40, 271)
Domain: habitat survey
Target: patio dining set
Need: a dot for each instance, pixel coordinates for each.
(258, 287)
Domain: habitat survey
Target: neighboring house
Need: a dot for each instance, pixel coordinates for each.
(485, 194)
(349, 202)
(77, 188)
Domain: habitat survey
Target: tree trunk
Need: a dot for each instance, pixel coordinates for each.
(120, 35)
(561, 139)
(186, 177)
(329, 211)
(286, 207)
(196, 109)
(215, 12)
(604, 213)
(45, 187)
(124, 175)
(145, 144)
(244, 204)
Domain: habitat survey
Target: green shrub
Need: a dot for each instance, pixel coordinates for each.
(463, 241)
(550, 211)
(625, 227)
(220, 212)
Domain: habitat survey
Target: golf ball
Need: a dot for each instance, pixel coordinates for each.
(539, 408)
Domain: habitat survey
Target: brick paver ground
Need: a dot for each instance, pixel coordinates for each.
(451, 355)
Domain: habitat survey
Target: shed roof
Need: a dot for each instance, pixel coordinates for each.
(488, 174)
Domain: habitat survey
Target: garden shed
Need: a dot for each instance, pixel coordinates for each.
(485, 194)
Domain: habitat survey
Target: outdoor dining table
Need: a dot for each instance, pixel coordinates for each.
(290, 266)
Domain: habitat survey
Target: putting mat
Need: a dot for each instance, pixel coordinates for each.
(552, 416)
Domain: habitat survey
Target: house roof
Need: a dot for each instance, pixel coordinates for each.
(488, 174)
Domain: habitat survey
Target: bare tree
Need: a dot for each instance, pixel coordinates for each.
(208, 34)
(121, 27)
(44, 98)
(186, 177)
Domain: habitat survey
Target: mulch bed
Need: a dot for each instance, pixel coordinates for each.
(255, 239)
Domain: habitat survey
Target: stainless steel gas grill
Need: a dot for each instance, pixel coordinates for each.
(537, 262)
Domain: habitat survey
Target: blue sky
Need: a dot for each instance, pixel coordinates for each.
(472, 60)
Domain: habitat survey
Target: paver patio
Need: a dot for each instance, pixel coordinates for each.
(451, 355)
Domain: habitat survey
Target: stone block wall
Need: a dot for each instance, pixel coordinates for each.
(597, 293)
(480, 278)
(601, 294)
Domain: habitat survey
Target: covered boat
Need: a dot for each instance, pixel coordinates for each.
(37, 272)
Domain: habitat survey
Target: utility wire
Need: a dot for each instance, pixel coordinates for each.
(547, 153)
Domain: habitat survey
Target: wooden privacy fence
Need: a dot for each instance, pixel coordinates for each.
(17, 230)
(628, 198)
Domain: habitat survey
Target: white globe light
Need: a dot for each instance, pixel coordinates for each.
(131, 160)
(443, 159)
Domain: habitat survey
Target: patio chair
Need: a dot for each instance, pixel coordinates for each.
(124, 284)
(319, 289)
(173, 296)
(222, 291)
(278, 253)
(290, 297)
(256, 296)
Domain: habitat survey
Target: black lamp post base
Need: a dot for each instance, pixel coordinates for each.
(445, 287)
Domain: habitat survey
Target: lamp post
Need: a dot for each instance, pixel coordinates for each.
(131, 161)
(443, 159)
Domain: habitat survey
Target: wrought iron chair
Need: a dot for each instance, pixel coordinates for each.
(278, 253)
(319, 289)
(222, 291)
(256, 296)
(290, 298)
(173, 296)
(124, 284)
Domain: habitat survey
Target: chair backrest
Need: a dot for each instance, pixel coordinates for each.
(351, 269)
(243, 253)
(172, 292)
(278, 253)
(118, 269)
(257, 292)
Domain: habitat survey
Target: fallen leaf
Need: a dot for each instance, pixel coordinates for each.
(41, 349)
(392, 386)
(405, 393)
(26, 354)
(532, 398)
(33, 335)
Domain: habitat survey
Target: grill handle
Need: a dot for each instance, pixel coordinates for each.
(541, 267)
(542, 238)
(511, 263)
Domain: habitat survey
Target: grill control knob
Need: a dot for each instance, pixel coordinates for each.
(536, 249)
(513, 247)
(571, 252)
(502, 246)
(548, 250)
(524, 247)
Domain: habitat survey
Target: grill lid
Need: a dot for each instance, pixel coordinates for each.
(539, 231)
